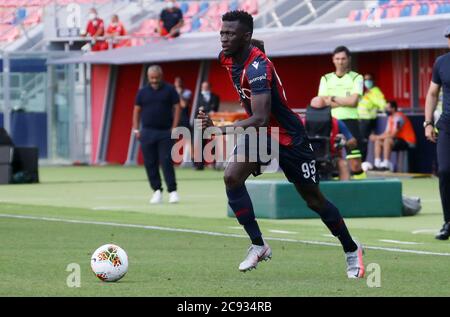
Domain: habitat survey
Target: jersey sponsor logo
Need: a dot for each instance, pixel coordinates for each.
(255, 64)
(259, 78)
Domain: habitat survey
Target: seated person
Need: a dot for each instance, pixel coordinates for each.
(116, 28)
(170, 20)
(337, 131)
(398, 136)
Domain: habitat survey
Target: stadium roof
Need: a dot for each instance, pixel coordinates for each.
(412, 33)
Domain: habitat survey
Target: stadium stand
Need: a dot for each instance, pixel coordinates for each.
(393, 9)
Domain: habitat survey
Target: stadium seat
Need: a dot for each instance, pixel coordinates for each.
(424, 9)
(234, 5)
(9, 34)
(147, 28)
(251, 6)
(415, 9)
(223, 7)
(184, 7)
(213, 10)
(193, 9)
(34, 17)
(196, 24)
(203, 8)
(186, 28)
(406, 11)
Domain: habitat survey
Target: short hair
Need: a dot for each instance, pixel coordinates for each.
(155, 68)
(243, 17)
(259, 44)
(341, 49)
(393, 104)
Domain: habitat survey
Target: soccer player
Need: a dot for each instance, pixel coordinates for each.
(262, 95)
(441, 78)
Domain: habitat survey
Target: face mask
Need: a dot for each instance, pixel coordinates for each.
(170, 5)
(368, 84)
(92, 16)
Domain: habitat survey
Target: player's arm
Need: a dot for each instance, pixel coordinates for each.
(177, 115)
(350, 101)
(136, 120)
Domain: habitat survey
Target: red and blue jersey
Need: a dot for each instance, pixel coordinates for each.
(257, 75)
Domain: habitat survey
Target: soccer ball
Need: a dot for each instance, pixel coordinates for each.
(109, 263)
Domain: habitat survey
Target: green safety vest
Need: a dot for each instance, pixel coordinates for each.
(372, 102)
(345, 86)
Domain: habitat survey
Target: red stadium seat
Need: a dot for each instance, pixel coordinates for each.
(147, 28)
(34, 17)
(223, 7)
(352, 15)
(213, 10)
(251, 6)
(187, 26)
(9, 34)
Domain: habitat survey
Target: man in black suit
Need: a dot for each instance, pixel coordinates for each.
(207, 99)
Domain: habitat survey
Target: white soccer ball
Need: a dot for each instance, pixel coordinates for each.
(109, 263)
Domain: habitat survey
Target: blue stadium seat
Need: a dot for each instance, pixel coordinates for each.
(383, 2)
(234, 5)
(406, 11)
(203, 8)
(358, 15)
(424, 9)
(384, 14)
(184, 7)
(196, 24)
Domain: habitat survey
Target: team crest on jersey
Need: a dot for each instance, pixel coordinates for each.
(255, 64)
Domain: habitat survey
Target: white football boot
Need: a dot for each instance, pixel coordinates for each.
(156, 198)
(355, 264)
(173, 197)
(255, 254)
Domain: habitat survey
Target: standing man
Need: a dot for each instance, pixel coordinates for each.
(441, 78)
(262, 96)
(342, 90)
(155, 115)
(370, 104)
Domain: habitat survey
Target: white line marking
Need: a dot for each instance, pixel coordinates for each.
(283, 232)
(111, 208)
(399, 242)
(328, 235)
(236, 228)
(217, 234)
(434, 231)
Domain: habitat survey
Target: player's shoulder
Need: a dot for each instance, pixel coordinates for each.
(257, 62)
(445, 58)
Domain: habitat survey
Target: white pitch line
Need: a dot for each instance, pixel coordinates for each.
(283, 232)
(111, 208)
(434, 231)
(399, 242)
(210, 233)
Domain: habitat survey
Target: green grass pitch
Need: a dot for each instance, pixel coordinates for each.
(45, 227)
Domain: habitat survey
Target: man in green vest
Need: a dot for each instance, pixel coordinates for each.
(372, 102)
(342, 90)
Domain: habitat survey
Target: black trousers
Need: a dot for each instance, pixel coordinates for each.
(366, 127)
(156, 147)
(443, 157)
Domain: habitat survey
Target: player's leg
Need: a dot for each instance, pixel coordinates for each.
(387, 150)
(239, 200)
(299, 166)
(443, 155)
(378, 148)
(332, 218)
(151, 163)
(164, 150)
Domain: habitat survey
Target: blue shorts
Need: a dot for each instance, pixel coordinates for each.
(296, 160)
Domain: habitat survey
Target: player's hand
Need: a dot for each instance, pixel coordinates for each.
(430, 133)
(204, 120)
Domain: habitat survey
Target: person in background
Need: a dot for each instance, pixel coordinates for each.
(95, 28)
(156, 113)
(185, 105)
(398, 136)
(170, 20)
(208, 100)
(371, 103)
(116, 28)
